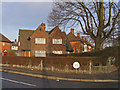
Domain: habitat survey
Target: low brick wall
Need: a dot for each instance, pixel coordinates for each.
(59, 62)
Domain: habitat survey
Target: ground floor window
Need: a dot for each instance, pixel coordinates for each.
(89, 48)
(40, 53)
(57, 52)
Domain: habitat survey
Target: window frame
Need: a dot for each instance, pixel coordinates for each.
(3, 43)
(56, 52)
(37, 52)
(54, 41)
(37, 42)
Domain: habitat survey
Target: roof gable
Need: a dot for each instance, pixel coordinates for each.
(4, 39)
(40, 30)
(41, 27)
(55, 28)
(56, 32)
(71, 37)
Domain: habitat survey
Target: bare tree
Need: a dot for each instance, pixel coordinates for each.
(95, 18)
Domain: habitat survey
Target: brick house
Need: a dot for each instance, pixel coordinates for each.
(40, 43)
(15, 46)
(24, 42)
(78, 44)
(5, 44)
(57, 43)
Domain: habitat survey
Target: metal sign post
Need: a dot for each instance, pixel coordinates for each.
(76, 65)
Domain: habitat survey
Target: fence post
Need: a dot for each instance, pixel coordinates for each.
(41, 64)
(100, 67)
(30, 63)
(76, 70)
(66, 67)
(52, 68)
(90, 67)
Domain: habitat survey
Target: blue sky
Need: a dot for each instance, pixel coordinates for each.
(23, 15)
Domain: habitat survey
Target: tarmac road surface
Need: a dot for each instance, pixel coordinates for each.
(12, 80)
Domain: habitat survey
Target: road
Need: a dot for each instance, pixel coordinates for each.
(11, 80)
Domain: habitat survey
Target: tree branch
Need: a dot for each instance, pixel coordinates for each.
(108, 23)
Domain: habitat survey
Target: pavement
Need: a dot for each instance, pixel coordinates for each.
(105, 77)
(27, 78)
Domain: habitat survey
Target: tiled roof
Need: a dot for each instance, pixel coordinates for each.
(53, 29)
(73, 38)
(4, 39)
(24, 42)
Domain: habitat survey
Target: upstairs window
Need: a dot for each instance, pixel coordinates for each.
(40, 41)
(57, 41)
(3, 44)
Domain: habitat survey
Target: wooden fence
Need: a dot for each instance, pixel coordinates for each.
(57, 62)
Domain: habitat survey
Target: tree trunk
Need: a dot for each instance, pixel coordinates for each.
(98, 44)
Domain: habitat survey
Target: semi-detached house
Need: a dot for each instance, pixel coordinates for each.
(78, 44)
(40, 43)
(5, 45)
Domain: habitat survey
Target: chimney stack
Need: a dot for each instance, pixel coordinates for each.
(78, 34)
(15, 40)
(72, 30)
(43, 25)
(82, 37)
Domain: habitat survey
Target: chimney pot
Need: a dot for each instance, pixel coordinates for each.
(82, 37)
(78, 34)
(43, 25)
(15, 40)
(72, 30)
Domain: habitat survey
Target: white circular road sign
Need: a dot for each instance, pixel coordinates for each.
(76, 65)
